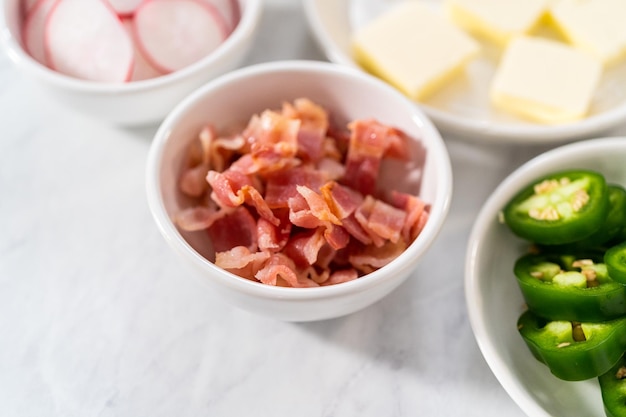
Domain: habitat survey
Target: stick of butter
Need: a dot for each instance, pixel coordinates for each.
(598, 26)
(497, 20)
(545, 80)
(413, 48)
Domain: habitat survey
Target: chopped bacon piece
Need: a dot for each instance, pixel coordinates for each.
(304, 247)
(237, 228)
(282, 186)
(273, 140)
(313, 127)
(362, 216)
(336, 236)
(241, 261)
(279, 267)
(227, 187)
(272, 237)
(369, 141)
(193, 180)
(386, 221)
(341, 200)
(342, 275)
(198, 218)
(416, 214)
(372, 258)
(317, 205)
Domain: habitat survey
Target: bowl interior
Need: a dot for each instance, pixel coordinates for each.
(493, 297)
(463, 106)
(346, 94)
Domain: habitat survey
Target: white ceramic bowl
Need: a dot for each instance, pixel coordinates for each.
(349, 95)
(463, 107)
(493, 298)
(134, 103)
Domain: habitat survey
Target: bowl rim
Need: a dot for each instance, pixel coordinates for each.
(440, 206)
(474, 299)
(468, 128)
(250, 16)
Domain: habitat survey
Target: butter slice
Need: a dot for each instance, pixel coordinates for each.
(545, 80)
(413, 48)
(598, 26)
(497, 20)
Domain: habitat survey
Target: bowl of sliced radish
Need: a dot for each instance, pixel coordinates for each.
(127, 62)
(299, 190)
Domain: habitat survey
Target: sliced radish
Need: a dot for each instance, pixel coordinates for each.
(33, 31)
(176, 33)
(86, 39)
(28, 5)
(229, 10)
(125, 7)
(143, 69)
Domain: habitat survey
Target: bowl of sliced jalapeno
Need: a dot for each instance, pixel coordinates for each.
(545, 281)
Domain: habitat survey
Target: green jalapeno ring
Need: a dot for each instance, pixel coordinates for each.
(615, 260)
(607, 234)
(613, 389)
(574, 355)
(573, 287)
(559, 208)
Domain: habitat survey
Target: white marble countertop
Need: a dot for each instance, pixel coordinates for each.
(98, 319)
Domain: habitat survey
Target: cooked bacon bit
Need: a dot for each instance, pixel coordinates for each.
(241, 261)
(340, 276)
(369, 141)
(198, 218)
(317, 205)
(337, 237)
(416, 214)
(281, 187)
(303, 248)
(237, 228)
(227, 187)
(372, 258)
(291, 199)
(363, 214)
(280, 266)
(271, 237)
(193, 181)
(386, 221)
(341, 200)
(314, 124)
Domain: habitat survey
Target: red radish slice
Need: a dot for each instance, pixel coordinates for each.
(125, 7)
(229, 10)
(85, 39)
(33, 31)
(176, 33)
(28, 5)
(142, 70)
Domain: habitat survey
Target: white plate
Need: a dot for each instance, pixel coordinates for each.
(494, 301)
(462, 108)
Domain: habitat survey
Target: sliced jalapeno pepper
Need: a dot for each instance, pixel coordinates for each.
(559, 208)
(570, 287)
(607, 233)
(613, 389)
(615, 260)
(574, 351)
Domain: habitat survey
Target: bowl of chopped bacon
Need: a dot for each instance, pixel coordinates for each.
(299, 190)
(126, 62)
